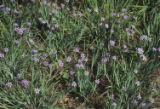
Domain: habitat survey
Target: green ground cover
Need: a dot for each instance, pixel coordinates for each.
(79, 54)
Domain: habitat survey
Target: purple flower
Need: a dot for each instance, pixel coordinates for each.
(76, 50)
(112, 31)
(96, 9)
(9, 63)
(44, 54)
(41, 20)
(58, 7)
(20, 30)
(80, 60)
(60, 63)
(69, 59)
(135, 102)
(112, 43)
(126, 50)
(53, 4)
(97, 81)
(35, 59)
(9, 84)
(56, 26)
(15, 24)
(114, 57)
(154, 90)
(1, 6)
(144, 37)
(123, 88)
(42, 57)
(74, 84)
(86, 73)
(49, 26)
(40, 11)
(118, 15)
(28, 23)
(122, 14)
(140, 51)
(74, 8)
(72, 72)
(7, 10)
(112, 96)
(124, 10)
(128, 33)
(114, 104)
(80, 14)
(16, 41)
(24, 83)
(19, 75)
(137, 83)
(135, 71)
(127, 29)
(144, 58)
(125, 46)
(132, 31)
(49, 32)
(102, 18)
(67, 1)
(34, 55)
(104, 60)
(24, 55)
(52, 28)
(89, 10)
(45, 63)
(139, 97)
(92, 47)
(82, 55)
(106, 26)
(1, 55)
(152, 100)
(15, 11)
(6, 49)
(125, 16)
(143, 105)
(133, 26)
(86, 59)
(100, 24)
(80, 65)
(34, 51)
(149, 39)
(52, 52)
(113, 14)
(108, 55)
(118, 21)
(48, 4)
(36, 90)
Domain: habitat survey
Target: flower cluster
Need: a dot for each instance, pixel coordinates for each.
(145, 37)
(20, 30)
(140, 52)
